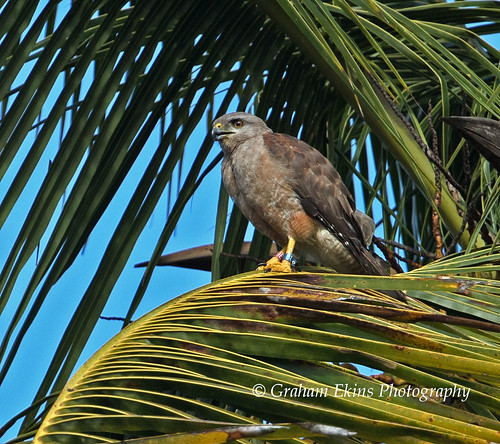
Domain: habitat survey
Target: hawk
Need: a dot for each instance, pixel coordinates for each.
(292, 194)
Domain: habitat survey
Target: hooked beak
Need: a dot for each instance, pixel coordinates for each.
(218, 132)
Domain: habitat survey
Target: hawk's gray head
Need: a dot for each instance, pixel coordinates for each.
(234, 128)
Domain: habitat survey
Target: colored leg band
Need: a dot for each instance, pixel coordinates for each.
(289, 257)
(279, 255)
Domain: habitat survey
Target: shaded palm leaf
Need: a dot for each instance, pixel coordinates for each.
(483, 134)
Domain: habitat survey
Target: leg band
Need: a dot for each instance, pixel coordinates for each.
(289, 257)
(279, 255)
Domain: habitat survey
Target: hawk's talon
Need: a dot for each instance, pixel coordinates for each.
(276, 266)
(269, 265)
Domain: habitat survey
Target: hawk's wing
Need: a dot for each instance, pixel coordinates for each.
(325, 197)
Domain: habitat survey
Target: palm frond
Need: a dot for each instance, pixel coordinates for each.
(273, 349)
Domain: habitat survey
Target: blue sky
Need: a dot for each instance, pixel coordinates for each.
(195, 228)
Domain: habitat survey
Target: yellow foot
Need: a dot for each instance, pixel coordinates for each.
(274, 264)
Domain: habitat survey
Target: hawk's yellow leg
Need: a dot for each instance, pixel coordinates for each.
(280, 265)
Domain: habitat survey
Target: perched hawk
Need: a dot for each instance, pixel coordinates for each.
(291, 193)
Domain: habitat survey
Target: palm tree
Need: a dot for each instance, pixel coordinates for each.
(364, 81)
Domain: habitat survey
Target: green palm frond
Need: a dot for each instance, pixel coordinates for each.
(195, 365)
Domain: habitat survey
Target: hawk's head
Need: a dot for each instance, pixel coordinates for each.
(234, 128)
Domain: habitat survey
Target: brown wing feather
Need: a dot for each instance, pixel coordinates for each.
(323, 194)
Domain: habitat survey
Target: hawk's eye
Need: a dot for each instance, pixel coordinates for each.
(238, 123)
